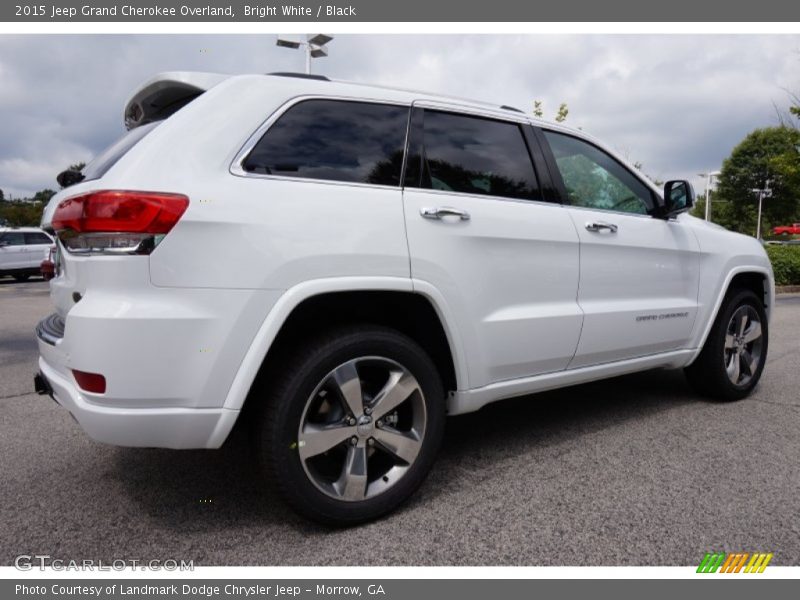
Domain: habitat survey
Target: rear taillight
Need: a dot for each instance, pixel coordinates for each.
(117, 221)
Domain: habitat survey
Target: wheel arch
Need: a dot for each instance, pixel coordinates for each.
(339, 301)
(756, 278)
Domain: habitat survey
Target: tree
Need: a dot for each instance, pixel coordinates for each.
(765, 155)
(561, 115)
(43, 196)
(2, 196)
(25, 212)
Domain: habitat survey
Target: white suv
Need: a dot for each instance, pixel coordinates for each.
(22, 250)
(340, 266)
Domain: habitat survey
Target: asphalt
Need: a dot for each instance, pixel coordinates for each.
(630, 471)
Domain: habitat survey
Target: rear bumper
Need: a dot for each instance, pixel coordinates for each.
(179, 428)
(168, 355)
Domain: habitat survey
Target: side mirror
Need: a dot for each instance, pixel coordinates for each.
(678, 197)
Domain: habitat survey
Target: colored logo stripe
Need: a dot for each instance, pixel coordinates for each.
(711, 562)
(758, 563)
(733, 562)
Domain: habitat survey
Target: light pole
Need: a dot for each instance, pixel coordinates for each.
(709, 179)
(314, 47)
(764, 192)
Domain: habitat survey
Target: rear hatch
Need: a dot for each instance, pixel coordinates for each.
(151, 103)
(106, 233)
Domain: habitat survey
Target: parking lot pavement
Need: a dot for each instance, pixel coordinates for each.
(631, 471)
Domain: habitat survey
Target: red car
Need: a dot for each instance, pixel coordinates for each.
(793, 229)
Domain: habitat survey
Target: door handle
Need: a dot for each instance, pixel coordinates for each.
(601, 226)
(439, 212)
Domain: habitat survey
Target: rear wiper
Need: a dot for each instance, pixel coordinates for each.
(69, 177)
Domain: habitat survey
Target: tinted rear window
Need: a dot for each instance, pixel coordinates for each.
(37, 238)
(336, 140)
(474, 155)
(108, 157)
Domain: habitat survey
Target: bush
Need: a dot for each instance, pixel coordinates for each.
(785, 263)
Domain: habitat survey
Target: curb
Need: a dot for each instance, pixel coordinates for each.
(787, 289)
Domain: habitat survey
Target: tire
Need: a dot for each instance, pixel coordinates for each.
(312, 393)
(730, 364)
(22, 277)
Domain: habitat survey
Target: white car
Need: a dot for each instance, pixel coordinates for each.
(22, 250)
(340, 266)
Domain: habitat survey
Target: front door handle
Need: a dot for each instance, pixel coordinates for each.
(601, 226)
(438, 212)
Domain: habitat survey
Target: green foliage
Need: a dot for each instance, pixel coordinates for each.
(699, 208)
(2, 196)
(26, 212)
(769, 154)
(561, 115)
(43, 195)
(785, 263)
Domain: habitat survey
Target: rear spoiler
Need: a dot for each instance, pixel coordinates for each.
(165, 94)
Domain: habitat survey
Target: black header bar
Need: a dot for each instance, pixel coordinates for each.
(440, 11)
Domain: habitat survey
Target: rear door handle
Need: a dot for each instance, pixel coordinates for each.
(601, 226)
(438, 212)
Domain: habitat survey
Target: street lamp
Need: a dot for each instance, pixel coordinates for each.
(709, 178)
(314, 47)
(764, 192)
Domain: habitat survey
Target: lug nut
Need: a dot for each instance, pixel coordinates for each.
(379, 423)
(353, 441)
(371, 441)
(351, 421)
(368, 411)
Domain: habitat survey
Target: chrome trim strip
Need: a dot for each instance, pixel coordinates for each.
(463, 109)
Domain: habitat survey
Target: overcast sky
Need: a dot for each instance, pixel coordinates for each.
(678, 104)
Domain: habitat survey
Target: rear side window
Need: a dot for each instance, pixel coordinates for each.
(13, 238)
(33, 237)
(335, 140)
(473, 155)
(109, 157)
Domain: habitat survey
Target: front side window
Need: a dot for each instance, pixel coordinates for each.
(594, 179)
(335, 140)
(473, 155)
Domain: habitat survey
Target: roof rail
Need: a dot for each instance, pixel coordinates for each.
(512, 108)
(300, 76)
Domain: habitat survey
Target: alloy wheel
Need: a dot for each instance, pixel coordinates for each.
(362, 428)
(743, 345)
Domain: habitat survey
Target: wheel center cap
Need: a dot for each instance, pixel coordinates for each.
(365, 426)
